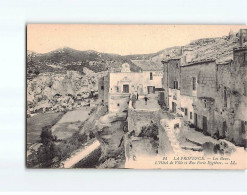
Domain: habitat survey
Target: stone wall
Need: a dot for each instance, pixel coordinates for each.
(231, 78)
(173, 72)
(165, 83)
(136, 146)
(205, 74)
(118, 102)
(106, 88)
(101, 90)
(205, 108)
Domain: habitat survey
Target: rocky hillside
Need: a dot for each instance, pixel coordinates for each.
(219, 48)
(61, 92)
(64, 59)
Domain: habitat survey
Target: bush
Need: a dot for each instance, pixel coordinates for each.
(150, 131)
(65, 149)
(46, 135)
(46, 153)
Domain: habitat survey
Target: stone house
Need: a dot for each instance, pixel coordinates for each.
(231, 101)
(198, 90)
(115, 88)
(171, 83)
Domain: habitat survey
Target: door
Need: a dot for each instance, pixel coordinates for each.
(125, 88)
(174, 105)
(224, 129)
(195, 120)
(205, 125)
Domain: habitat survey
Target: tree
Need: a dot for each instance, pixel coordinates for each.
(46, 135)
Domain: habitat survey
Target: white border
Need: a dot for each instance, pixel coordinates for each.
(14, 14)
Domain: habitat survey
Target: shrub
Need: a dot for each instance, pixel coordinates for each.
(150, 131)
(46, 135)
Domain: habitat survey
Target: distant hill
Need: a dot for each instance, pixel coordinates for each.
(64, 59)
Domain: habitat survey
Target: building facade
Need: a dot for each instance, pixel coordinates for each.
(209, 95)
(115, 88)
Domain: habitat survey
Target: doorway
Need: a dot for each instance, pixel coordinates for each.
(125, 88)
(174, 107)
(195, 120)
(205, 125)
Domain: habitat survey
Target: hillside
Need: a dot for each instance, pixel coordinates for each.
(64, 59)
(219, 48)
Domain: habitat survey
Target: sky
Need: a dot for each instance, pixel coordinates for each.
(119, 39)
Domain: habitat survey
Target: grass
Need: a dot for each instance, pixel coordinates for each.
(37, 122)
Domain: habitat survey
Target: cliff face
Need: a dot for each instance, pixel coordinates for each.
(61, 92)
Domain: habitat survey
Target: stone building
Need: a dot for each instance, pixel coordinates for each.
(209, 95)
(115, 88)
(231, 101)
(171, 83)
(198, 90)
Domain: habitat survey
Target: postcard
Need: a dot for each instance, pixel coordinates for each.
(136, 96)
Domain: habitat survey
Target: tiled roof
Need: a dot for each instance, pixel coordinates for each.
(147, 65)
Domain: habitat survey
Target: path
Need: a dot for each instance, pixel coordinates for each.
(80, 155)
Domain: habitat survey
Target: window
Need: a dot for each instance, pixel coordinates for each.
(225, 97)
(245, 57)
(194, 83)
(242, 127)
(102, 87)
(190, 115)
(151, 76)
(175, 84)
(118, 105)
(185, 111)
(125, 88)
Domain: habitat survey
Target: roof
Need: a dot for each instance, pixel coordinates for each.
(147, 65)
(172, 58)
(202, 61)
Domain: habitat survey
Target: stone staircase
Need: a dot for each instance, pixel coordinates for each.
(172, 137)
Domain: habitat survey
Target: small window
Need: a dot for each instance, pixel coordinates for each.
(151, 76)
(102, 87)
(242, 127)
(182, 109)
(194, 83)
(225, 97)
(190, 115)
(185, 111)
(175, 84)
(118, 105)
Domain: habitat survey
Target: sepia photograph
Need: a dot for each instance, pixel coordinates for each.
(136, 96)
